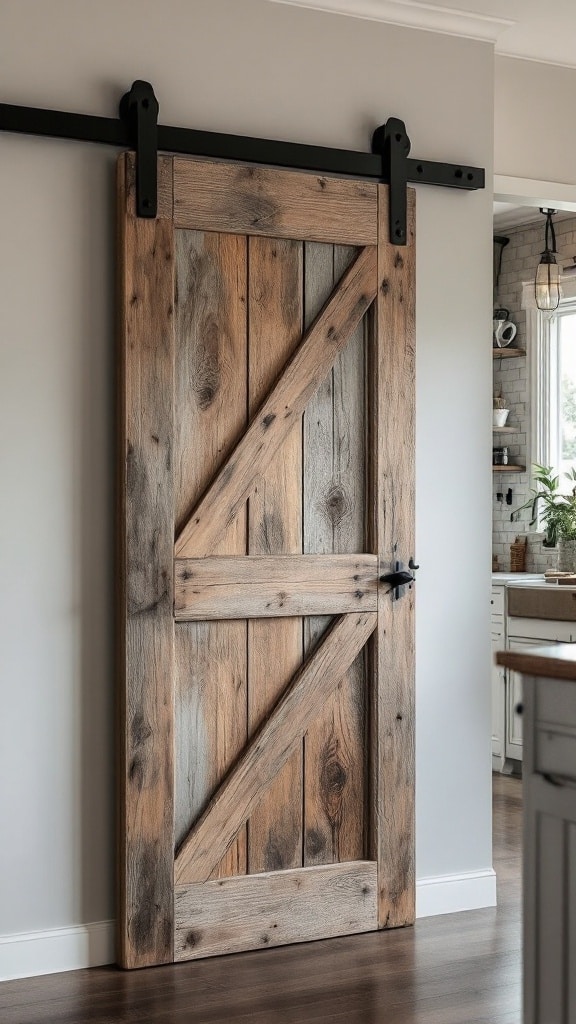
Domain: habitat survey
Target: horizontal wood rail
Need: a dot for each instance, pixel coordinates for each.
(256, 586)
(270, 909)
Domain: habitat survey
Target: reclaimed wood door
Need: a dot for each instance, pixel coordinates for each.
(266, 725)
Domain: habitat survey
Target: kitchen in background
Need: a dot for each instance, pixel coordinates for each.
(520, 257)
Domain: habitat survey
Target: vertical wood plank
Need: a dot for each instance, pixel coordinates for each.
(210, 414)
(275, 527)
(333, 481)
(391, 530)
(145, 619)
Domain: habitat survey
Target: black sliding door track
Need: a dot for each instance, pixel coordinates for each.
(136, 128)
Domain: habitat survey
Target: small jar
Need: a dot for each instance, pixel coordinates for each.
(500, 456)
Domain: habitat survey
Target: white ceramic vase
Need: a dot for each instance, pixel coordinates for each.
(499, 417)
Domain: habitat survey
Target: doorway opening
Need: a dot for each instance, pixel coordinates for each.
(535, 387)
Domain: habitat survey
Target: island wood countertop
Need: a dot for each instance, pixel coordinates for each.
(555, 661)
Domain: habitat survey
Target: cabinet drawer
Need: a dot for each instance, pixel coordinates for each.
(555, 752)
(540, 629)
(497, 601)
(555, 703)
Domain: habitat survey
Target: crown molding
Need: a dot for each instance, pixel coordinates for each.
(537, 60)
(414, 14)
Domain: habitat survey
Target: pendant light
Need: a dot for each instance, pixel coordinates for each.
(547, 288)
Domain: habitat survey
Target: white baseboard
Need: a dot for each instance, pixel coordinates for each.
(57, 949)
(449, 894)
(91, 945)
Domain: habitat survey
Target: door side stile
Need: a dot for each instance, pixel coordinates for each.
(391, 531)
(144, 572)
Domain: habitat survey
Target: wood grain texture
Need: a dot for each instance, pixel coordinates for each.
(165, 171)
(392, 533)
(282, 408)
(271, 746)
(259, 586)
(275, 528)
(209, 415)
(282, 204)
(334, 514)
(145, 620)
(275, 908)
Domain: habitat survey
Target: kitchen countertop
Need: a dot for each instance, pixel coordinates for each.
(518, 577)
(557, 661)
(541, 584)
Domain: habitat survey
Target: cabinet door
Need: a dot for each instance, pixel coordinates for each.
(514, 698)
(513, 719)
(498, 684)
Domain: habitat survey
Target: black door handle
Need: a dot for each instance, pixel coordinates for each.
(400, 578)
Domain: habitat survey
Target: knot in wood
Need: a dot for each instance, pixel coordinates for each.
(337, 504)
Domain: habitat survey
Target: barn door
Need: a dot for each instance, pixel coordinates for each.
(266, 481)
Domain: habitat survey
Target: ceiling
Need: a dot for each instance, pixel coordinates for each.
(531, 29)
(508, 215)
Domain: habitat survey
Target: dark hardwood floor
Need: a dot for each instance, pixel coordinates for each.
(456, 969)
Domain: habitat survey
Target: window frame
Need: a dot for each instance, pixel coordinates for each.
(542, 443)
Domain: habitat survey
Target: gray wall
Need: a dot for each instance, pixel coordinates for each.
(268, 70)
(533, 117)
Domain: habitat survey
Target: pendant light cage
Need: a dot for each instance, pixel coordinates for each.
(547, 287)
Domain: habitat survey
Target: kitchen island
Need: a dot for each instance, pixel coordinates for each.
(549, 801)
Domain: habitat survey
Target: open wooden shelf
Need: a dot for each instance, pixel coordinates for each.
(510, 468)
(507, 353)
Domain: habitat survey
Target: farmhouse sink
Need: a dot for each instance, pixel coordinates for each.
(533, 600)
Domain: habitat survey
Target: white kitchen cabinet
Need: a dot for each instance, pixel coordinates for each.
(514, 698)
(498, 626)
(549, 807)
(525, 633)
(513, 741)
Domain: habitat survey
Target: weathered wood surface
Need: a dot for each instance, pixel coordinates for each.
(146, 628)
(259, 586)
(270, 748)
(392, 536)
(334, 515)
(165, 189)
(275, 908)
(259, 450)
(209, 416)
(281, 204)
(275, 528)
(282, 407)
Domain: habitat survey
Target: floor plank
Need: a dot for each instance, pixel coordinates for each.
(456, 969)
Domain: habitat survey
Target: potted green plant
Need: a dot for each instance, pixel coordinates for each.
(557, 511)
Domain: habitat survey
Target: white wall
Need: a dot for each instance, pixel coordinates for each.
(533, 121)
(267, 70)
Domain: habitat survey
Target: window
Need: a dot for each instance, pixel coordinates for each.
(552, 367)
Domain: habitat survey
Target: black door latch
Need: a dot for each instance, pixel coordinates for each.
(400, 577)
